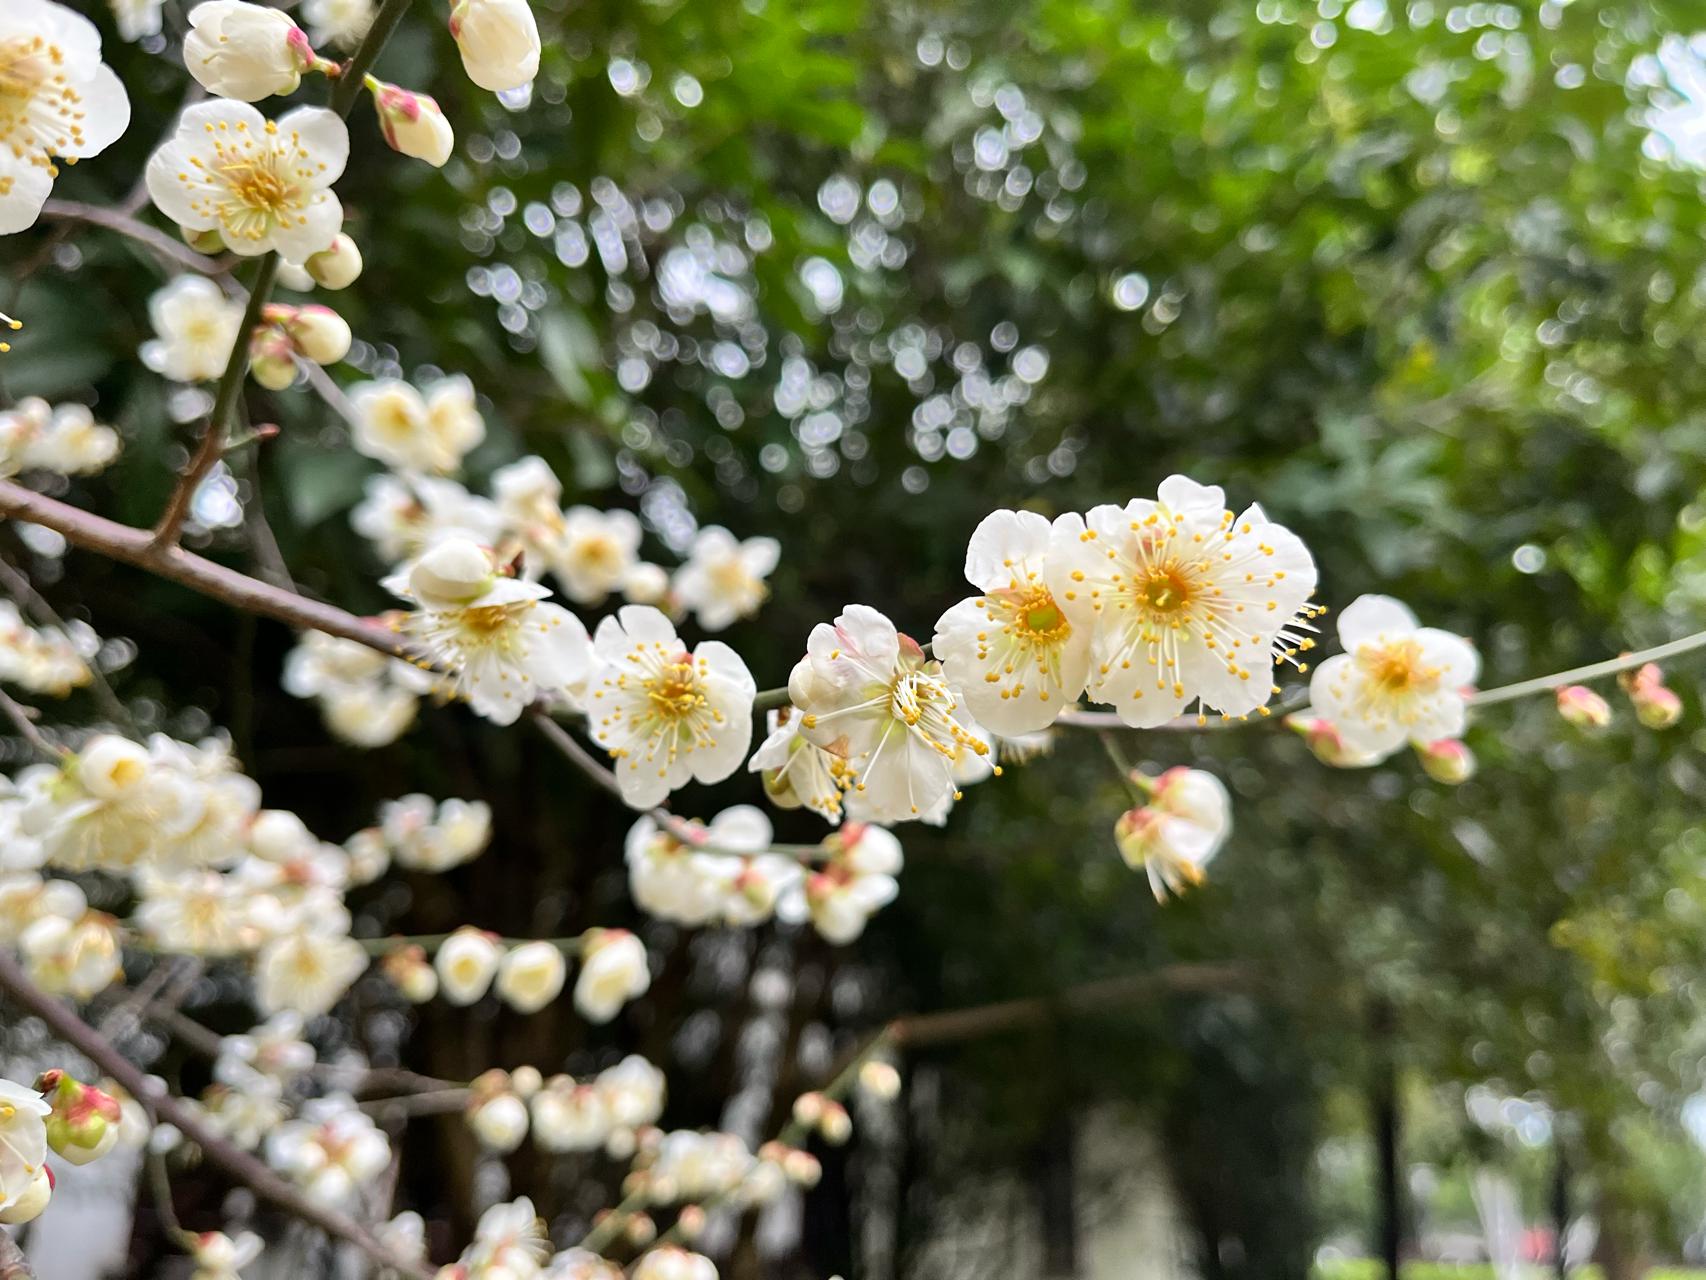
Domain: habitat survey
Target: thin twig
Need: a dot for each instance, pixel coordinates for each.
(168, 248)
(23, 719)
(243, 1167)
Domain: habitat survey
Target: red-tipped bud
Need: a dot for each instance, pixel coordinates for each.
(1447, 760)
(1582, 707)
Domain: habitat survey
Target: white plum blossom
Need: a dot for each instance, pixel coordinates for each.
(665, 714)
(1173, 836)
(498, 40)
(614, 970)
(365, 698)
(1014, 654)
(509, 1240)
(671, 1262)
(633, 1091)
(307, 970)
(723, 579)
(868, 694)
(195, 912)
(36, 436)
(57, 98)
(263, 185)
(136, 18)
(333, 1150)
(466, 962)
(498, 1120)
(218, 1256)
(594, 553)
(23, 1140)
(1184, 601)
(531, 976)
(44, 660)
(195, 327)
(500, 642)
(568, 1116)
(79, 958)
(671, 879)
(434, 837)
(405, 516)
(842, 895)
(338, 22)
(245, 51)
(797, 772)
(427, 430)
(1395, 682)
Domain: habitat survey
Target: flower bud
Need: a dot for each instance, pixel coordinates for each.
(84, 1125)
(498, 41)
(1656, 706)
(809, 1108)
(409, 972)
(412, 123)
(647, 584)
(835, 1125)
(467, 961)
(1323, 738)
(880, 1080)
(500, 1122)
(320, 333)
(109, 765)
(272, 358)
(690, 1221)
(337, 267)
(456, 572)
(1134, 833)
(803, 1168)
(641, 1229)
(526, 1081)
(246, 51)
(1447, 760)
(531, 976)
(209, 242)
(1582, 707)
(30, 1202)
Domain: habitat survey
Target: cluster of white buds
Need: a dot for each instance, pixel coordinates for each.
(45, 660)
(67, 441)
(331, 1149)
(614, 1110)
(287, 333)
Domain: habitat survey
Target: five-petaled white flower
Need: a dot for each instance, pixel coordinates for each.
(1013, 652)
(414, 430)
(497, 637)
(263, 185)
(594, 552)
(1185, 602)
(1187, 819)
(723, 579)
(195, 327)
(666, 715)
(1396, 681)
(23, 1140)
(57, 98)
(869, 694)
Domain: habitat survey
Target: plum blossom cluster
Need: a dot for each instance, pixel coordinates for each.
(45, 660)
(365, 698)
(612, 1111)
(67, 441)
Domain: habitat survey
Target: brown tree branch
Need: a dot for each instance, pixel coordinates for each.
(243, 1167)
(13, 1264)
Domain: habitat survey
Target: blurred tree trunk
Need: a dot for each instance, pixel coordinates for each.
(1057, 1198)
(1619, 1251)
(1388, 1136)
(1560, 1205)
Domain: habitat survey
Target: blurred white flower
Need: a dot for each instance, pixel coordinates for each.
(1175, 834)
(427, 431)
(333, 1151)
(195, 326)
(594, 552)
(723, 579)
(467, 961)
(614, 970)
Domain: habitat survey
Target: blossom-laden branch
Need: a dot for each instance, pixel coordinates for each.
(245, 1168)
(211, 447)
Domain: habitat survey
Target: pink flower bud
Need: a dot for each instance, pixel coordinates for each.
(413, 124)
(809, 1108)
(835, 1124)
(84, 1124)
(1447, 760)
(337, 267)
(320, 334)
(272, 358)
(1322, 738)
(1582, 707)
